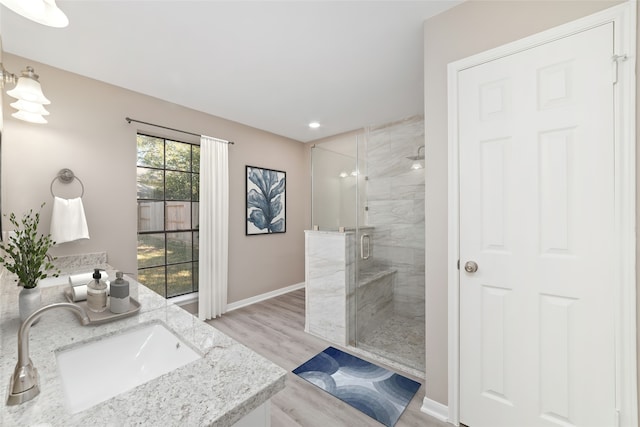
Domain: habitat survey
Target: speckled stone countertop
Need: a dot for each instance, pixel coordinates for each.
(226, 384)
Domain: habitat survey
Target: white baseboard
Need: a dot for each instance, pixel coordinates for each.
(248, 301)
(435, 409)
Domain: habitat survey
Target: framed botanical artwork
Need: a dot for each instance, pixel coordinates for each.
(266, 201)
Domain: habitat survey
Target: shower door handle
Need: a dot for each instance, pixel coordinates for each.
(362, 246)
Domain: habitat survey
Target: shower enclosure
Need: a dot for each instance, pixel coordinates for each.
(369, 185)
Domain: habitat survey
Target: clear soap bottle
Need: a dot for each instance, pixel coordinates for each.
(97, 293)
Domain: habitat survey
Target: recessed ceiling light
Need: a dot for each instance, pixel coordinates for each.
(314, 125)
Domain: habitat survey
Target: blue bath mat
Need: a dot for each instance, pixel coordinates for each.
(378, 392)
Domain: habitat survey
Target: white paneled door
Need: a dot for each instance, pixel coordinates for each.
(536, 162)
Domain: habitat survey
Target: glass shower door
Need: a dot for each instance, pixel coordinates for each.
(368, 187)
(390, 299)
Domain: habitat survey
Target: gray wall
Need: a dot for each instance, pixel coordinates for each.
(470, 28)
(87, 133)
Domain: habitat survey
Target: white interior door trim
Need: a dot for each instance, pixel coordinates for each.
(624, 18)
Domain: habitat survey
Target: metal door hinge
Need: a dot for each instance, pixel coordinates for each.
(616, 60)
(458, 264)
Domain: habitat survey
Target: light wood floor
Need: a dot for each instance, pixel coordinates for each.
(275, 329)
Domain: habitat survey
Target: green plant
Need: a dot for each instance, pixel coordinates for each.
(25, 253)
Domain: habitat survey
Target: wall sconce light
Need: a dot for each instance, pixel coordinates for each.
(30, 99)
(44, 12)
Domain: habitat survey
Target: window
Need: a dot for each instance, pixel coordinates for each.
(168, 187)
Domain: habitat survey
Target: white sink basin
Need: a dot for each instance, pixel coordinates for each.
(101, 369)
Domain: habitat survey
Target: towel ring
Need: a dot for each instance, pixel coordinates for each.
(66, 176)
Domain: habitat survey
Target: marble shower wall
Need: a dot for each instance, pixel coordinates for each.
(395, 200)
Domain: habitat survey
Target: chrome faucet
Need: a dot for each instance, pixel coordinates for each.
(25, 384)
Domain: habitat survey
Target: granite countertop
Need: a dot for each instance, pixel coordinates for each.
(226, 384)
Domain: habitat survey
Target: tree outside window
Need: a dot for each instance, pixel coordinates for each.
(168, 193)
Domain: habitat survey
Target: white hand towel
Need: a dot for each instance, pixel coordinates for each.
(80, 279)
(68, 222)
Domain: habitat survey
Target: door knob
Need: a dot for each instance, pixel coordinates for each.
(470, 267)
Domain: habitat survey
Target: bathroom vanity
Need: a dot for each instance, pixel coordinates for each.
(229, 385)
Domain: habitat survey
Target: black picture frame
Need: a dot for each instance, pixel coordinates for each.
(266, 201)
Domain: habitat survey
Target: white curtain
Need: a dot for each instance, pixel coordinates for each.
(214, 227)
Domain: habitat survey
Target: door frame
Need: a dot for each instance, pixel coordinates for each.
(624, 18)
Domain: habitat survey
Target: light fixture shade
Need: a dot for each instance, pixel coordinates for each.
(30, 107)
(30, 98)
(44, 12)
(28, 88)
(29, 117)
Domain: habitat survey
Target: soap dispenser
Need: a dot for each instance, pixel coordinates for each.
(119, 295)
(97, 293)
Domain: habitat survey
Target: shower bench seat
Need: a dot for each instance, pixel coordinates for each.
(374, 300)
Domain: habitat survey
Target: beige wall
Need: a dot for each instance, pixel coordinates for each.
(467, 29)
(87, 133)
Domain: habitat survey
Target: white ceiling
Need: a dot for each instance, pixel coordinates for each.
(273, 65)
